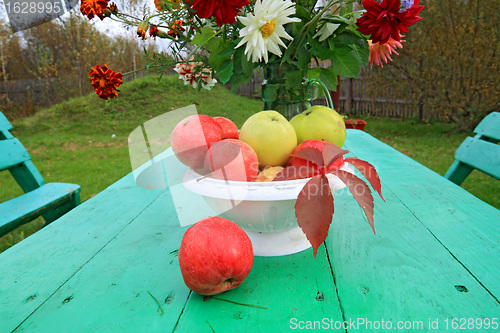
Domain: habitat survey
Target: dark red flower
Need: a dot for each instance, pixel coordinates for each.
(90, 8)
(384, 20)
(153, 31)
(105, 81)
(224, 11)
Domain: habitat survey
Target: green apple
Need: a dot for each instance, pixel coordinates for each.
(271, 136)
(319, 123)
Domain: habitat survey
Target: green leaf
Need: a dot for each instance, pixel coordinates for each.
(213, 44)
(226, 71)
(246, 65)
(313, 73)
(326, 31)
(345, 9)
(349, 37)
(344, 63)
(202, 37)
(228, 49)
(302, 13)
(361, 53)
(303, 58)
(320, 49)
(329, 78)
(293, 78)
(270, 93)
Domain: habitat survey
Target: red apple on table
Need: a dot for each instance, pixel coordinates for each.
(232, 159)
(215, 255)
(229, 128)
(318, 144)
(192, 137)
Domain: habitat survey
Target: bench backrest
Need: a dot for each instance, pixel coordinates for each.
(15, 158)
(481, 152)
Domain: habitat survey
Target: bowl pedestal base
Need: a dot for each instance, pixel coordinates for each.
(270, 244)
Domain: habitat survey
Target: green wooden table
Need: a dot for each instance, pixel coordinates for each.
(433, 266)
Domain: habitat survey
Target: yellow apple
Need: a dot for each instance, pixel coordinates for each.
(271, 136)
(319, 123)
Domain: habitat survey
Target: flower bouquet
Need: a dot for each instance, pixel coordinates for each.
(226, 41)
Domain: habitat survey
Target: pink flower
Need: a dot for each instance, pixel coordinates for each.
(379, 52)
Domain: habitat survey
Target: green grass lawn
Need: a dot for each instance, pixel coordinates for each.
(72, 141)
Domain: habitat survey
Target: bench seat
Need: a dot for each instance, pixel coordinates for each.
(43, 200)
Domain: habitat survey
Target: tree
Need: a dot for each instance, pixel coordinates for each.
(449, 66)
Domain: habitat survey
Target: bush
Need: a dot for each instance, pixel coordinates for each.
(449, 66)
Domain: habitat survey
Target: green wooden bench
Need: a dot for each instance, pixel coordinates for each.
(481, 152)
(50, 200)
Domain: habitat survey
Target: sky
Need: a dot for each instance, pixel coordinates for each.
(107, 25)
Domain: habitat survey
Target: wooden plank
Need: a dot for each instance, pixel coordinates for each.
(25, 208)
(13, 153)
(4, 123)
(490, 126)
(27, 176)
(111, 292)
(458, 172)
(401, 274)
(294, 288)
(481, 155)
(79, 235)
(455, 217)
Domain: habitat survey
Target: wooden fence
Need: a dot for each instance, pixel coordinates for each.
(47, 91)
(355, 97)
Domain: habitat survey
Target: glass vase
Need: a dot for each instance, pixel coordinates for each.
(289, 100)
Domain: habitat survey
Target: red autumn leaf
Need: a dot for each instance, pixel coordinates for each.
(310, 154)
(360, 191)
(331, 153)
(369, 172)
(314, 210)
(295, 172)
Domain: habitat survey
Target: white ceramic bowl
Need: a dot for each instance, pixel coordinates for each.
(255, 206)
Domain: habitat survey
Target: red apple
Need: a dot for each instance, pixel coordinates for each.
(229, 129)
(232, 159)
(192, 137)
(318, 144)
(215, 255)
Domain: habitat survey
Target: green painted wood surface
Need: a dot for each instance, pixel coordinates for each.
(458, 172)
(13, 153)
(48, 200)
(27, 207)
(4, 123)
(481, 152)
(101, 261)
(27, 176)
(36, 268)
(490, 126)
(481, 155)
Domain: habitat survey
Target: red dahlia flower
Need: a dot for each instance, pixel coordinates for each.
(387, 19)
(105, 81)
(224, 11)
